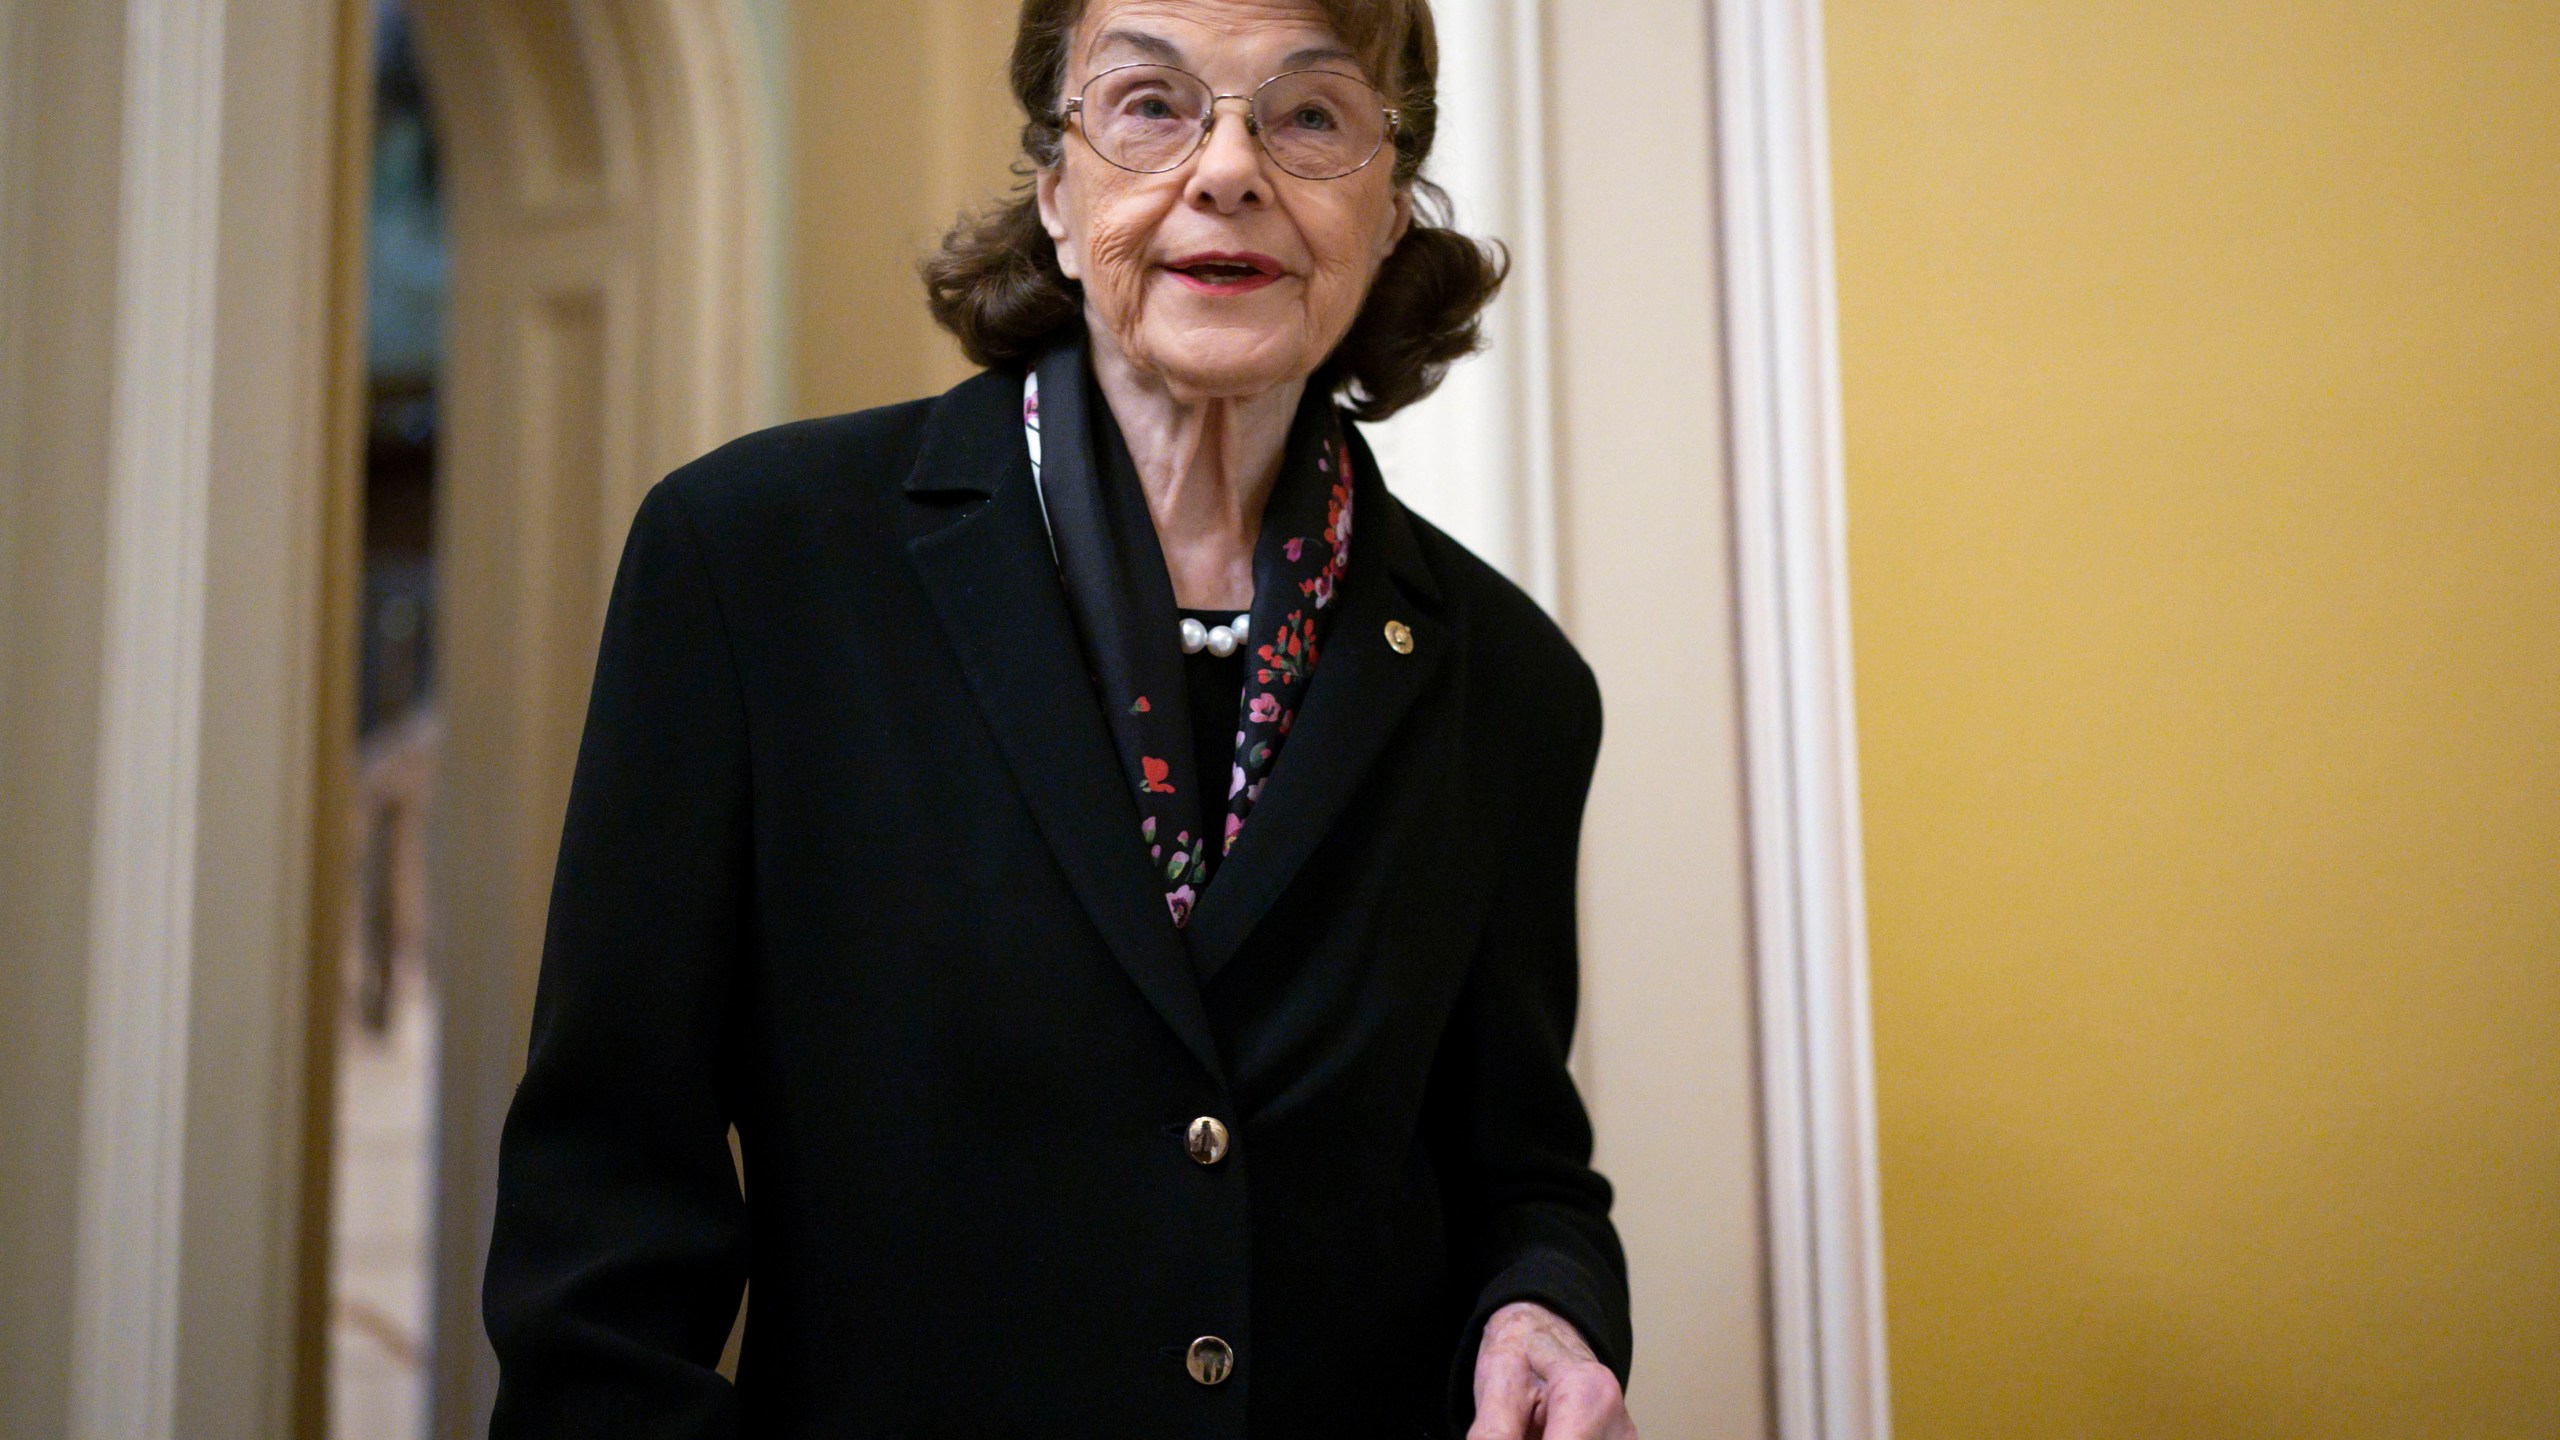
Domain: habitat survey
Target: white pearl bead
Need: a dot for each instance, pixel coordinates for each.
(1194, 635)
(1222, 642)
(1243, 622)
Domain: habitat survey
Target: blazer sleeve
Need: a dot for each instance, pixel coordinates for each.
(619, 1251)
(1531, 1216)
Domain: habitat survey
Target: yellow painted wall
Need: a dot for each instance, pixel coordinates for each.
(900, 118)
(2203, 382)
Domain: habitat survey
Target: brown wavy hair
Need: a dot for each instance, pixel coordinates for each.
(995, 281)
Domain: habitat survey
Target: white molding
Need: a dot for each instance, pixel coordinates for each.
(1818, 1109)
(134, 1103)
(1479, 457)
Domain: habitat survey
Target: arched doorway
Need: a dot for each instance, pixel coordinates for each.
(605, 190)
(607, 322)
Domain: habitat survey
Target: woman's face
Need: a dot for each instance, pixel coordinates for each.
(1137, 242)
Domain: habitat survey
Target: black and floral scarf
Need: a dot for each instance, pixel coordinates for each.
(1122, 598)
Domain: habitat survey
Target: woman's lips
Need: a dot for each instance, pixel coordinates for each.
(1224, 272)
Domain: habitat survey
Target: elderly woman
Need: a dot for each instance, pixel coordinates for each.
(1110, 862)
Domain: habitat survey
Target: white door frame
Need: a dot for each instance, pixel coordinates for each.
(1791, 563)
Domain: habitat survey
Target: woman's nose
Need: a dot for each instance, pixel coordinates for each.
(1229, 174)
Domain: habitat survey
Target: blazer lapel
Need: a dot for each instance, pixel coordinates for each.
(995, 586)
(1362, 687)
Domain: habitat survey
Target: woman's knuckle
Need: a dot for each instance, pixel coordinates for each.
(1588, 1387)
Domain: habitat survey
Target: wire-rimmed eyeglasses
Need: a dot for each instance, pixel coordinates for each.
(1315, 124)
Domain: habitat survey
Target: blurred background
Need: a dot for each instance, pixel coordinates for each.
(2201, 368)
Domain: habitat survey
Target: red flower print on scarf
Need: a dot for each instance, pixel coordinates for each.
(1299, 563)
(1285, 658)
(1288, 658)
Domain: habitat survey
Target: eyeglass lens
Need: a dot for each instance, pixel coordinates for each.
(1315, 124)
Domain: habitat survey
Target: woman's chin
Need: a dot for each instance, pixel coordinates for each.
(1227, 371)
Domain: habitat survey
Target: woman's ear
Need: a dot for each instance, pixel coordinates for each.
(1401, 222)
(1053, 218)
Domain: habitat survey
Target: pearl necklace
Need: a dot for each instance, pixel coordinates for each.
(1218, 640)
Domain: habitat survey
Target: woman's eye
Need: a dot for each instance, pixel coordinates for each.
(1312, 118)
(1154, 109)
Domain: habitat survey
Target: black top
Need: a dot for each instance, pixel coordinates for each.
(848, 865)
(1216, 692)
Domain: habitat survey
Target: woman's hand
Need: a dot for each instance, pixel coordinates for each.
(1537, 1380)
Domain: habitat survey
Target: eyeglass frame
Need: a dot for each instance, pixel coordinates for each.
(1252, 126)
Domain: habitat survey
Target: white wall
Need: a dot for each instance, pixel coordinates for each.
(1647, 591)
(1584, 454)
(1478, 456)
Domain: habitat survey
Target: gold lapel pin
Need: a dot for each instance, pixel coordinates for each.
(1399, 637)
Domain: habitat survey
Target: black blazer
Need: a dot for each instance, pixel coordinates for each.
(849, 865)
